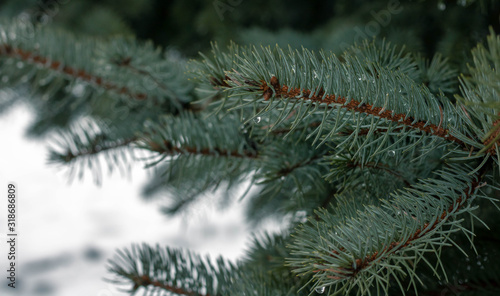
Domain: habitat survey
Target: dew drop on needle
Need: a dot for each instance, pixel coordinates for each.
(320, 290)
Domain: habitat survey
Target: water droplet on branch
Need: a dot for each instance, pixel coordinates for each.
(78, 90)
(391, 153)
(257, 119)
(320, 290)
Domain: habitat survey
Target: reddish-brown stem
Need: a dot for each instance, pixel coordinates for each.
(361, 263)
(33, 58)
(284, 91)
(144, 281)
(97, 149)
(493, 136)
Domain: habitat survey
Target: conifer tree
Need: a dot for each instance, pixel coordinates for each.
(392, 152)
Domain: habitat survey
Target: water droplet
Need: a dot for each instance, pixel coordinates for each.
(257, 119)
(485, 259)
(391, 153)
(20, 65)
(441, 6)
(315, 75)
(479, 263)
(78, 90)
(282, 178)
(5, 78)
(320, 290)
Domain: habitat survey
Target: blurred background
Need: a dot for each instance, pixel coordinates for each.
(68, 230)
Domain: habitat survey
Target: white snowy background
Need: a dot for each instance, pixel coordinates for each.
(66, 232)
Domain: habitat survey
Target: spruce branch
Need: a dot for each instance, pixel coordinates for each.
(195, 155)
(126, 63)
(361, 92)
(285, 92)
(174, 272)
(88, 141)
(143, 64)
(187, 134)
(373, 245)
(492, 138)
(95, 147)
(145, 281)
(35, 59)
(480, 94)
(151, 77)
(437, 74)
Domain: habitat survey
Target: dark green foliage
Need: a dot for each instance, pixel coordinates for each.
(380, 150)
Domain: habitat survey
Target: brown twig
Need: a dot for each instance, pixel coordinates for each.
(34, 58)
(361, 263)
(96, 148)
(494, 136)
(284, 91)
(145, 281)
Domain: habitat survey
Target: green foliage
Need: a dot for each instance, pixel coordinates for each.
(480, 93)
(389, 152)
(186, 146)
(365, 248)
(332, 91)
(86, 144)
(171, 271)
